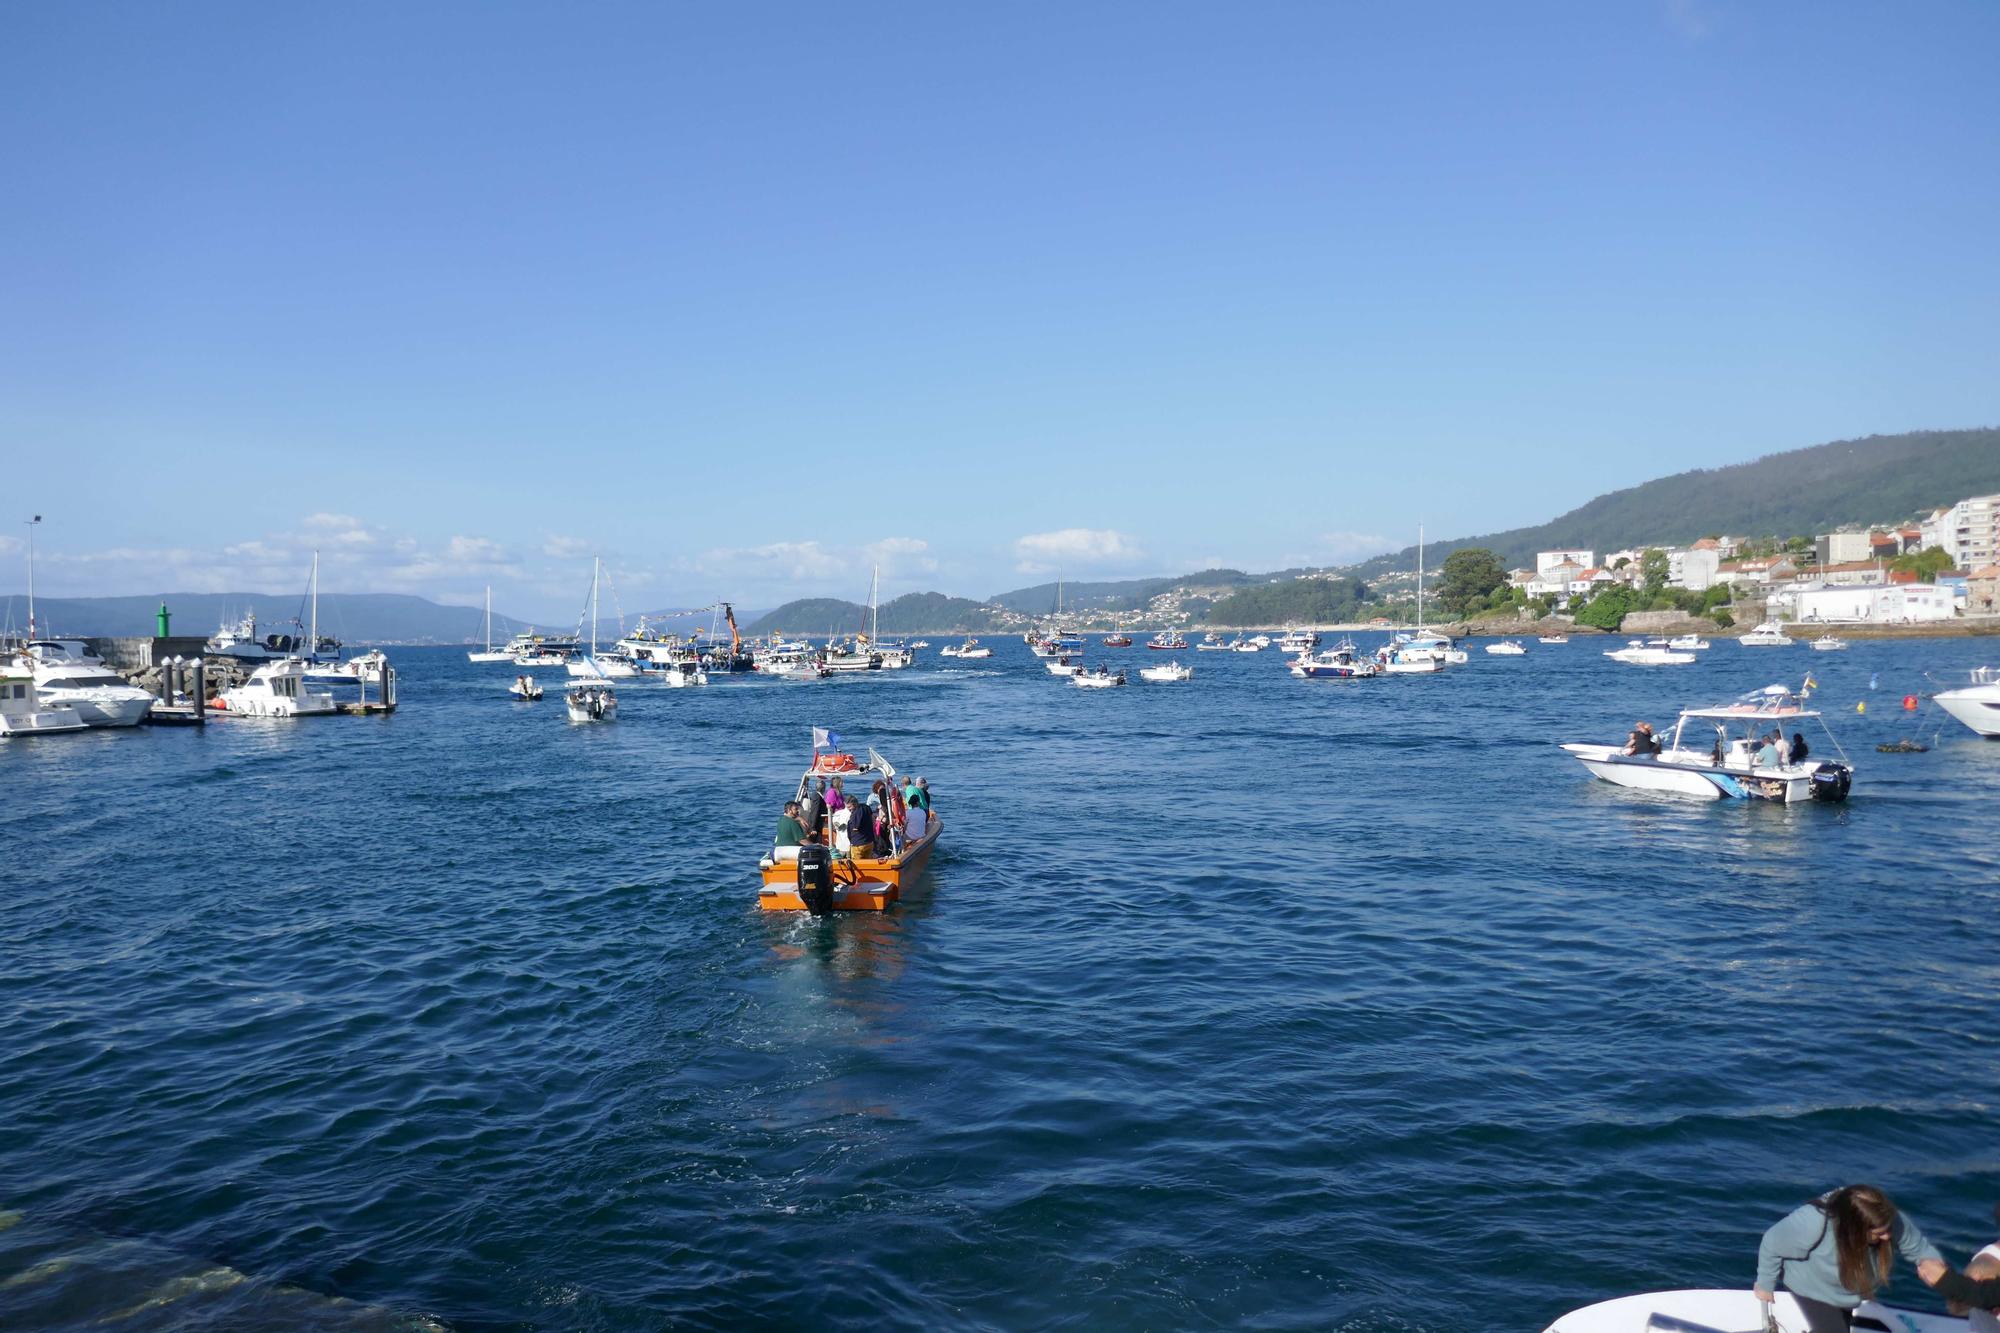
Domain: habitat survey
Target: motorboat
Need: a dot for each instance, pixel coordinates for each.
(1977, 704)
(1116, 641)
(852, 655)
(1506, 648)
(1211, 644)
(67, 672)
(1298, 641)
(971, 648)
(1261, 640)
(490, 653)
(1392, 659)
(1431, 644)
(1168, 640)
(819, 878)
(591, 701)
(919, 643)
(1640, 653)
(1712, 753)
(1736, 1308)
(1248, 646)
(1687, 643)
(1553, 638)
(1767, 635)
(1829, 643)
(275, 689)
(239, 641)
(23, 713)
(525, 689)
(1101, 679)
(1062, 666)
(365, 669)
(1341, 662)
(895, 656)
(1166, 673)
(531, 649)
(680, 675)
(794, 665)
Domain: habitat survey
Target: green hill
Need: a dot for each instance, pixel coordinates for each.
(912, 613)
(1879, 479)
(1116, 595)
(1310, 601)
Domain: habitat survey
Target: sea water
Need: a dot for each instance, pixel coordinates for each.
(1245, 1001)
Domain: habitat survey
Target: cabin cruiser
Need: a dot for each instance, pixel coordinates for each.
(21, 712)
(1341, 662)
(1506, 648)
(1298, 641)
(1249, 645)
(1394, 658)
(1712, 753)
(275, 689)
(679, 675)
(366, 669)
(67, 672)
(1101, 679)
(531, 649)
(895, 656)
(1767, 635)
(1687, 643)
(1977, 704)
(1640, 653)
(1211, 643)
(1695, 1310)
(1168, 640)
(1166, 673)
(1431, 644)
(591, 701)
(1829, 643)
(822, 878)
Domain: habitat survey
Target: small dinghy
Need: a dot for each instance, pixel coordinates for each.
(1167, 673)
(1736, 1311)
(525, 689)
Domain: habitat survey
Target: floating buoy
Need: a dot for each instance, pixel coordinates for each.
(1909, 703)
(1861, 707)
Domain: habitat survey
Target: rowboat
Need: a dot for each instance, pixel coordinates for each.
(836, 880)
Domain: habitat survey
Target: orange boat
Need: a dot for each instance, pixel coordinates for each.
(858, 883)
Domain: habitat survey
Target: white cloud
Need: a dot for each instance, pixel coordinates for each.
(566, 548)
(1076, 549)
(1343, 548)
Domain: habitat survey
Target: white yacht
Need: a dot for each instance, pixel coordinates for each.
(1977, 704)
(20, 712)
(365, 669)
(1166, 673)
(1506, 648)
(1640, 653)
(1767, 635)
(67, 672)
(1717, 756)
(1298, 641)
(239, 641)
(1829, 643)
(276, 689)
(1736, 1308)
(1687, 643)
(491, 654)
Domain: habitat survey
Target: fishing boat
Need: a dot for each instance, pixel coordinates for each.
(525, 689)
(1553, 638)
(1976, 704)
(1168, 640)
(793, 664)
(239, 641)
(490, 653)
(821, 879)
(1116, 641)
(1167, 673)
(1506, 648)
(1687, 643)
(1640, 653)
(275, 689)
(1767, 635)
(1734, 1310)
(1829, 643)
(1101, 679)
(1343, 661)
(1297, 640)
(846, 655)
(66, 672)
(591, 701)
(1712, 753)
(23, 713)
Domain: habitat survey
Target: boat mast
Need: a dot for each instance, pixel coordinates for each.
(1420, 576)
(596, 563)
(489, 617)
(312, 640)
(874, 606)
(33, 523)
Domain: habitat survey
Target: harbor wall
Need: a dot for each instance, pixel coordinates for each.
(129, 654)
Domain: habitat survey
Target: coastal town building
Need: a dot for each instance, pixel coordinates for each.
(1839, 548)
(1756, 572)
(1548, 560)
(1868, 603)
(1694, 569)
(1970, 531)
(1982, 591)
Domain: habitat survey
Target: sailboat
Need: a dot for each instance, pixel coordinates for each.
(322, 656)
(1424, 650)
(590, 666)
(895, 656)
(491, 654)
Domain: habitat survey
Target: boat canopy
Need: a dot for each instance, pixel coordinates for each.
(1773, 701)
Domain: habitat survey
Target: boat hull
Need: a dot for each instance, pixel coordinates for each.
(860, 884)
(489, 657)
(1977, 706)
(1789, 784)
(1731, 1309)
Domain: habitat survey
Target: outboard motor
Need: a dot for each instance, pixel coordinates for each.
(1830, 782)
(816, 878)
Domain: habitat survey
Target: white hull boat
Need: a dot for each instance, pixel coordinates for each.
(1766, 635)
(969, 649)
(490, 653)
(1167, 673)
(68, 674)
(591, 702)
(1097, 680)
(22, 715)
(1340, 662)
(1687, 643)
(1726, 766)
(681, 676)
(1553, 638)
(1506, 648)
(1827, 643)
(1732, 1311)
(276, 689)
(1246, 646)
(1976, 705)
(1637, 653)
(363, 670)
(1413, 667)
(1062, 666)
(525, 690)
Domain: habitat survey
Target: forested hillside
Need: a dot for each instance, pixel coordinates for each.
(1881, 478)
(1117, 595)
(1310, 601)
(911, 613)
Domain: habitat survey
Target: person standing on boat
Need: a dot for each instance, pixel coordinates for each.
(1836, 1252)
(835, 800)
(813, 812)
(1642, 742)
(790, 831)
(1799, 747)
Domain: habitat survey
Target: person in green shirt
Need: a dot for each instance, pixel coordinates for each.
(790, 831)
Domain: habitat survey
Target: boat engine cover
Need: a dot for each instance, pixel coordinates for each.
(1831, 781)
(816, 878)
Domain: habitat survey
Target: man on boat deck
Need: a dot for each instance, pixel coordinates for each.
(813, 813)
(1642, 741)
(790, 832)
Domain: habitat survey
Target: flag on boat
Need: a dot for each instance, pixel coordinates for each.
(1805, 690)
(824, 739)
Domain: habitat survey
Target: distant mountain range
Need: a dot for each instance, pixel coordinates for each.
(912, 613)
(1801, 492)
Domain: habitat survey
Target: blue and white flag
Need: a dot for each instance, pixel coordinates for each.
(824, 739)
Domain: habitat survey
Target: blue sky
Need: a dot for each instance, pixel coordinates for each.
(749, 297)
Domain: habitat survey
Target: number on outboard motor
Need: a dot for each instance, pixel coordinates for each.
(816, 878)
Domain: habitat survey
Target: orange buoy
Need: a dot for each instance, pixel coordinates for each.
(1909, 703)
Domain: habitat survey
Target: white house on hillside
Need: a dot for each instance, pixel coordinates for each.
(1547, 560)
(1693, 569)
